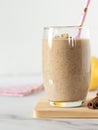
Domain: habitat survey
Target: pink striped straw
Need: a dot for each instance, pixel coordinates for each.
(83, 18)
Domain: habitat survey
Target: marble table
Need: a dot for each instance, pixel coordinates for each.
(16, 113)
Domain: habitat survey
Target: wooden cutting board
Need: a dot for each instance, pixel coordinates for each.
(44, 110)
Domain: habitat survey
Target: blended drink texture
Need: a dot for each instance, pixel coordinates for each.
(66, 69)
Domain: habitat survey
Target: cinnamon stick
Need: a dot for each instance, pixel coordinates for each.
(93, 104)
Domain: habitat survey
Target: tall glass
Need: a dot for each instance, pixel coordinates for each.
(66, 65)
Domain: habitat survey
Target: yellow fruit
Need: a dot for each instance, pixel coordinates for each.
(94, 74)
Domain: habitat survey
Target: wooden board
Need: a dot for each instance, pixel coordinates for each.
(44, 110)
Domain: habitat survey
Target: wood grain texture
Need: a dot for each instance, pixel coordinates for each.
(44, 110)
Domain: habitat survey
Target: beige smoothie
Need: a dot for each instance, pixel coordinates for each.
(66, 68)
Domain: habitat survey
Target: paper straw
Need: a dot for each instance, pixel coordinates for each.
(83, 18)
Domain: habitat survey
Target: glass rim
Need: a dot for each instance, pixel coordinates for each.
(61, 27)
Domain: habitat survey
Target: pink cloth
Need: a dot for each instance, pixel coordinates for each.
(20, 91)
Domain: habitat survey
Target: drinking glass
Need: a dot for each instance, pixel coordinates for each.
(66, 65)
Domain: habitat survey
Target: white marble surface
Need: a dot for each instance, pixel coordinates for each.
(16, 113)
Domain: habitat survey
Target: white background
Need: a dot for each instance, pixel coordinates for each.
(21, 27)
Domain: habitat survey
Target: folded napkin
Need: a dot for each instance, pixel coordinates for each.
(21, 90)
